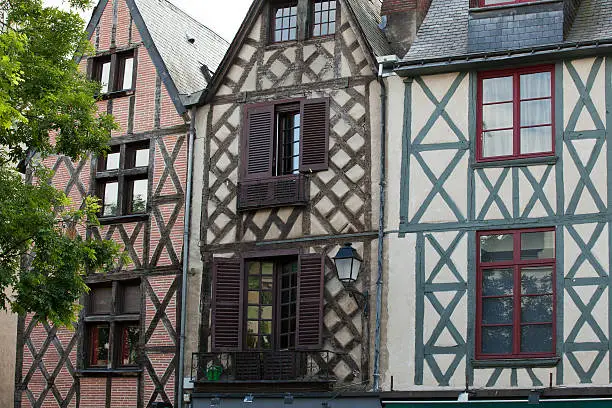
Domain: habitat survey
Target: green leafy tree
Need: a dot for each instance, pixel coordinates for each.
(47, 107)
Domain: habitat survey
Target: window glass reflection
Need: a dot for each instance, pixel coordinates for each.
(538, 245)
(111, 195)
(496, 248)
(139, 196)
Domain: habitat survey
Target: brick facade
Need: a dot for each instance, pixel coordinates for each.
(51, 363)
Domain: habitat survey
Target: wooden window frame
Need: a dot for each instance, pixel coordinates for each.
(274, 7)
(117, 320)
(278, 262)
(482, 3)
(125, 175)
(516, 101)
(229, 298)
(312, 23)
(117, 60)
(516, 264)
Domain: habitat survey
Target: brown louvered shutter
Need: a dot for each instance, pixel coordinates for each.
(315, 135)
(227, 304)
(259, 142)
(310, 302)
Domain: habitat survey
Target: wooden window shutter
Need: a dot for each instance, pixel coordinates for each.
(227, 304)
(310, 302)
(315, 135)
(259, 142)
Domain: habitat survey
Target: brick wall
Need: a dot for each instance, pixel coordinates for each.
(59, 348)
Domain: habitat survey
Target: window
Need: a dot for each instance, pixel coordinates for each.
(515, 114)
(122, 178)
(115, 72)
(324, 18)
(485, 3)
(284, 22)
(282, 141)
(280, 300)
(516, 294)
(286, 157)
(271, 285)
(113, 325)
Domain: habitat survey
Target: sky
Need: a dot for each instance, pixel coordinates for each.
(212, 13)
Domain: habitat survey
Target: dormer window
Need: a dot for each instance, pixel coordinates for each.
(487, 3)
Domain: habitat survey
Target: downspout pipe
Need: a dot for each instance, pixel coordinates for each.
(186, 228)
(381, 225)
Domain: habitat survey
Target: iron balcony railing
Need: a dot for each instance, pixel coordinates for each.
(273, 192)
(255, 366)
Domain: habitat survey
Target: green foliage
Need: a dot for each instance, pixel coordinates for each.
(44, 250)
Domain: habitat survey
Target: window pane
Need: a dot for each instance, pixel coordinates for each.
(497, 89)
(139, 196)
(142, 158)
(497, 340)
(101, 300)
(105, 77)
(497, 310)
(112, 161)
(536, 280)
(536, 112)
(100, 336)
(130, 345)
(496, 248)
(535, 85)
(267, 268)
(253, 312)
(266, 282)
(253, 297)
(253, 282)
(252, 340)
(536, 309)
(536, 140)
(266, 327)
(266, 298)
(538, 245)
(536, 338)
(127, 73)
(111, 194)
(131, 298)
(266, 312)
(497, 116)
(497, 282)
(497, 143)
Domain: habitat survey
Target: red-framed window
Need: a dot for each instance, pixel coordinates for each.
(515, 313)
(487, 3)
(515, 113)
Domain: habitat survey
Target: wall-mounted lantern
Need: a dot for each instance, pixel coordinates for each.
(348, 264)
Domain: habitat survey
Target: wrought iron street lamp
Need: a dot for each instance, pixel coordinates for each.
(348, 264)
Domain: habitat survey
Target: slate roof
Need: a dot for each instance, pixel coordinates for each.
(170, 28)
(444, 30)
(367, 14)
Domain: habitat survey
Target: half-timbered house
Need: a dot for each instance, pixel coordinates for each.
(498, 287)
(286, 173)
(149, 56)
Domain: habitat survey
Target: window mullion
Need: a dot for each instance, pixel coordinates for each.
(517, 114)
(303, 19)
